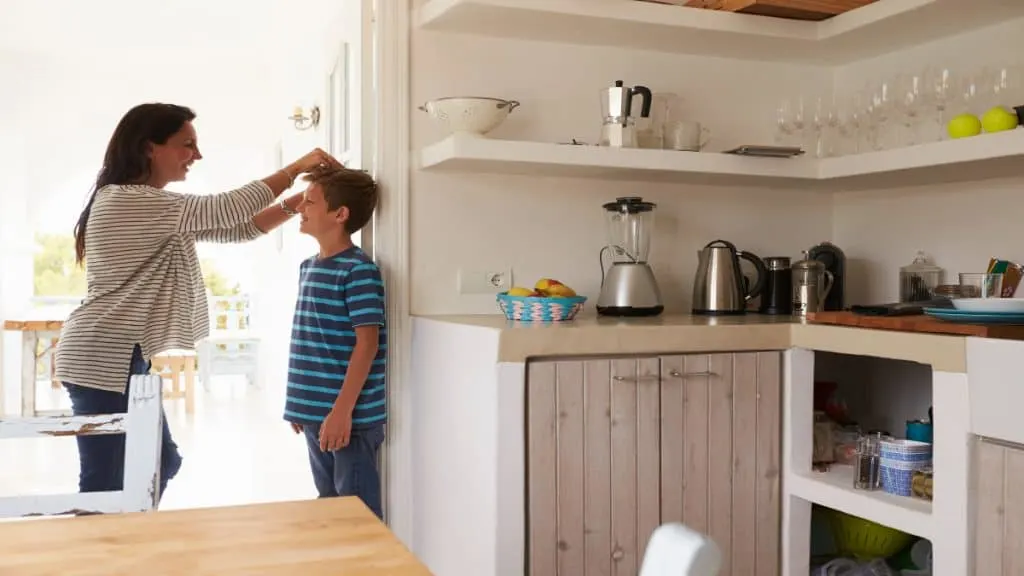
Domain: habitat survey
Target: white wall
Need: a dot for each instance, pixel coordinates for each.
(961, 225)
(555, 227)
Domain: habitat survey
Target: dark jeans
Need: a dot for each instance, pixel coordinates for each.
(101, 458)
(351, 471)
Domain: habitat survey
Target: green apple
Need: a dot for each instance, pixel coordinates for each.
(998, 119)
(963, 126)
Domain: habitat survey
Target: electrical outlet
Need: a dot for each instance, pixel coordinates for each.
(484, 281)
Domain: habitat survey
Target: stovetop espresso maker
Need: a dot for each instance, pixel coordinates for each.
(618, 128)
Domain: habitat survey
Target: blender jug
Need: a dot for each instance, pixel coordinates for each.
(629, 222)
(628, 287)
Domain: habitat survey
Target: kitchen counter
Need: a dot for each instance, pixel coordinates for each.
(475, 371)
(685, 333)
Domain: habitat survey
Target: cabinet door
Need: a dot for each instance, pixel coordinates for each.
(593, 449)
(720, 454)
(999, 509)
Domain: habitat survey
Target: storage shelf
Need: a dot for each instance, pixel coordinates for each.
(873, 30)
(977, 158)
(834, 489)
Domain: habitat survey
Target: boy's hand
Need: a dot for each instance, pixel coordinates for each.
(297, 428)
(336, 429)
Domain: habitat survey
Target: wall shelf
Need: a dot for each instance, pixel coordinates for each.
(873, 30)
(978, 158)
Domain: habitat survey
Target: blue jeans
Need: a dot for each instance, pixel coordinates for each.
(351, 471)
(101, 458)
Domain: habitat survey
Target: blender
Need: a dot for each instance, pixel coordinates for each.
(628, 287)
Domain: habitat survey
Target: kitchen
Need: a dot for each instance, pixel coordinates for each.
(879, 221)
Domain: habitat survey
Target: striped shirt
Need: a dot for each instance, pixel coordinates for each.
(336, 295)
(144, 282)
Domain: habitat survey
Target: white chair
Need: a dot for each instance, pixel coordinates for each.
(675, 550)
(142, 424)
(232, 347)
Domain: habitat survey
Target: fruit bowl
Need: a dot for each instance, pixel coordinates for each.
(540, 308)
(474, 116)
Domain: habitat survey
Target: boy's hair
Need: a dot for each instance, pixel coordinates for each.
(353, 189)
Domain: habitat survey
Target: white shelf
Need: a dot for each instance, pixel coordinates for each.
(873, 30)
(978, 158)
(834, 489)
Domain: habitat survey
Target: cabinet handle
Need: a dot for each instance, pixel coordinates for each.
(644, 378)
(678, 374)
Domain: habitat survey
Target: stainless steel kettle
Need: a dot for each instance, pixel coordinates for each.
(719, 286)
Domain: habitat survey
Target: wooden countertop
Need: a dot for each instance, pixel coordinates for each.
(307, 538)
(682, 334)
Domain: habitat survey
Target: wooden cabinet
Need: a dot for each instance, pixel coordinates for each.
(616, 447)
(999, 509)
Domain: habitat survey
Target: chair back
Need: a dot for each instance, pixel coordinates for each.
(142, 424)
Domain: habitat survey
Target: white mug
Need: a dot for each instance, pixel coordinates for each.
(686, 135)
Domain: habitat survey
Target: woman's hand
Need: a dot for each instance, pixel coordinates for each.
(315, 160)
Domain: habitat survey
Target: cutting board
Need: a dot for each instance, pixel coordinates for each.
(919, 323)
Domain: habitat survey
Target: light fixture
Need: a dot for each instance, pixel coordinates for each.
(303, 121)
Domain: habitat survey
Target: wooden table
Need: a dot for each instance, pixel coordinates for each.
(32, 332)
(330, 537)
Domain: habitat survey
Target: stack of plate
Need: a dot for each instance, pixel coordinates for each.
(899, 459)
(982, 311)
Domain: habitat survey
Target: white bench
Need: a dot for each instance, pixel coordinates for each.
(142, 424)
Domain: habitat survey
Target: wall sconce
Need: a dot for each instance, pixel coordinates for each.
(302, 121)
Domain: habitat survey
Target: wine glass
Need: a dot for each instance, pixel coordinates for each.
(849, 116)
(907, 101)
(940, 88)
(882, 111)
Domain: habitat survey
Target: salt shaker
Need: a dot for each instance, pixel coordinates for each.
(866, 462)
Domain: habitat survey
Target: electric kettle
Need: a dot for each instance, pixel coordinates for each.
(719, 286)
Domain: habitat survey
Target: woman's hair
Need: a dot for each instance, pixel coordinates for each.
(126, 160)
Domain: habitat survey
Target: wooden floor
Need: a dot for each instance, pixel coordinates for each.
(236, 449)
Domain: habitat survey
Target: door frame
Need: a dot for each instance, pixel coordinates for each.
(388, 89)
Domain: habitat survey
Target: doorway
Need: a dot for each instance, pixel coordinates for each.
(236, 447)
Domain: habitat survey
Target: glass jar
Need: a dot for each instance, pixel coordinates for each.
(919, 279)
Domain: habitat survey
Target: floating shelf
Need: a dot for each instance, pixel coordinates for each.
(978, 158)
(834, 489)
(873, 30)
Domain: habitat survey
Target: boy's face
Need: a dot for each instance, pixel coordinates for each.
(317, 220)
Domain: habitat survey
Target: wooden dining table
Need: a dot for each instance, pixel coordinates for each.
(325, 537)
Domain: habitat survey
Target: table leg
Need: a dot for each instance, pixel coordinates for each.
(29, 344)
(190, 384)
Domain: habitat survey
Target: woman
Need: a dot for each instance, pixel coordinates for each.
(145, 286)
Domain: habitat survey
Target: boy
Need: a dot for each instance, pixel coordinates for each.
(338, 351)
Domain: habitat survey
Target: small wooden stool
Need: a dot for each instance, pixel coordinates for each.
(172, 365)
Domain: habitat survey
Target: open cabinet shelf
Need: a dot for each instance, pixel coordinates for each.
(977, 158)
(873, 30)
(835, 490)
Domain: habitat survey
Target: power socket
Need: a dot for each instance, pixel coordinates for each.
(484, 281)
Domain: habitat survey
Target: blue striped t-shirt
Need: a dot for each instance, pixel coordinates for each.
(336, 294)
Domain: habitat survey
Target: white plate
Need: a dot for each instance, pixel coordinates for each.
(989, 304)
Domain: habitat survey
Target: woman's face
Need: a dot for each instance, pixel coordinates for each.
(169, 162)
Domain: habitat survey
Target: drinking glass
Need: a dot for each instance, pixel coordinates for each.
(981, 285)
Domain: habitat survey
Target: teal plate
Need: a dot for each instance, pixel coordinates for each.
(966, 317)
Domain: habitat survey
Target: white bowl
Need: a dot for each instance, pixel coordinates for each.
(997, 305)
(469, 114)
